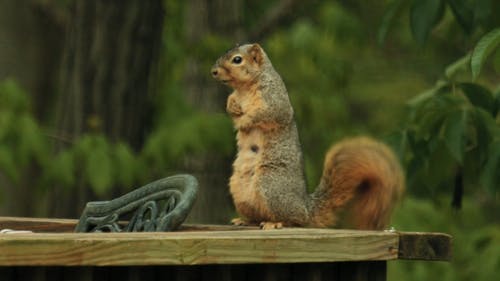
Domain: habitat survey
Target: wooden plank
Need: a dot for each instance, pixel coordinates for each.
(424, 246)
(289, 245)
(201, 244)
(38, 224)
(68, 225)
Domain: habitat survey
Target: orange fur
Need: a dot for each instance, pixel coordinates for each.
(247, 198)
(240, 105)
(361, 181)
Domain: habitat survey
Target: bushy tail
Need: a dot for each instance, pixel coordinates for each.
(362, 181)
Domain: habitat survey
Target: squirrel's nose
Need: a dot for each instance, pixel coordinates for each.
(215, 72)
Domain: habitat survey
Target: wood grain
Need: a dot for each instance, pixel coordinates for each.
(68, 225)
(55, 244)
(38, 224)
(201, 247)
(424, 246)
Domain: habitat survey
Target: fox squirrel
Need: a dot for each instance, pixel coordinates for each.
(361, 181)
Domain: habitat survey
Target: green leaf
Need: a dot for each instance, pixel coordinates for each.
(31, 144)
(424, 15)
(398, 141)
(6, 123)
(390, 13)
(485, 47)
(96, 156)
(454, 133)
(463, 13)
(61, 170)
(13, 97)
(473, 163)
(416, 168)
(497, 103)
(496, 62)
(458, 66)
(441, 165)
(8, 164)
(490, 177)
(440, 87)
(485, 129)
(485, 12)
(479, 96)
(482, 133)
(99, 171)
(302, 34)
(428, 117)
(125, 165)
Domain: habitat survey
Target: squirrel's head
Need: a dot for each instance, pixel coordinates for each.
(240, 66)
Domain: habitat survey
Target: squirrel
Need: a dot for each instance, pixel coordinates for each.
(362, 179)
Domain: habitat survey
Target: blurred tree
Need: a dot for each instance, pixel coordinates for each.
(110, 54)
(30, 44)
(109, 57)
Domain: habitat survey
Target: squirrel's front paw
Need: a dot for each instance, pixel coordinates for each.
(266, 225)
(233, 107)
(244, 122)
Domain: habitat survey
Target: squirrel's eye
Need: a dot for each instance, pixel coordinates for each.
(237, 60)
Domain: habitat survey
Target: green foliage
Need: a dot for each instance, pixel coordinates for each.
(126, 165)
(463, 14)
(426, 15)
(491, 177)
(473, 236)
(93, 154)
(393, 10)
(451, 127)
(21, 143)
(61, 170)
(484, 48)
(92, 159)
(450, 142)
(196, 134)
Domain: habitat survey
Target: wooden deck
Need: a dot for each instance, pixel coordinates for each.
(195, 247)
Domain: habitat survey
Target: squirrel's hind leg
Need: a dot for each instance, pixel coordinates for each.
(241, 222)
(265, 225)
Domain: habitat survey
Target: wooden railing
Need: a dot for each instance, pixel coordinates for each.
(201, 252)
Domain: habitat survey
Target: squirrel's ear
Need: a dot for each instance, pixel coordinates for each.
(257, 53)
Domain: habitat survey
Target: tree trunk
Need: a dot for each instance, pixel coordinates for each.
(112, 48)
(110, 53)
(30, 44)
